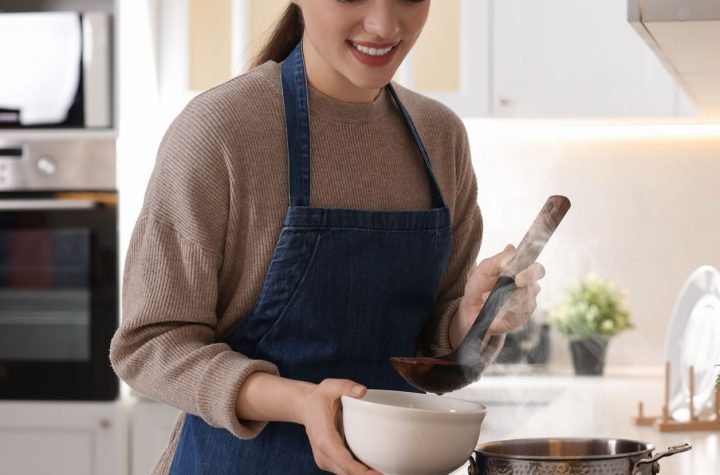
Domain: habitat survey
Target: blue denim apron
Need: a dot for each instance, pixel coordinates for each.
(346, 290)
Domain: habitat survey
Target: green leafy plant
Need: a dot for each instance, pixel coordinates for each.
(591, 308)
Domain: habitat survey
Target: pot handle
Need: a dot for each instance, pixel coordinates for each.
(670, 451)
(472, 468)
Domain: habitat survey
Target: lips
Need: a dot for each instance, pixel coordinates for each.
(373, 51)
(373, 54)
(369, 44)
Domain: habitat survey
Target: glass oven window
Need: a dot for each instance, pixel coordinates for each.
(45, 294)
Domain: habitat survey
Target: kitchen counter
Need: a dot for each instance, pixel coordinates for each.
(564, 405)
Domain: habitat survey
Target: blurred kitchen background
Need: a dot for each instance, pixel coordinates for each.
(613, 103)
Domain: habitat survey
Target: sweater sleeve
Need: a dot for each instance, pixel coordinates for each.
(467, 229)
(167, 347)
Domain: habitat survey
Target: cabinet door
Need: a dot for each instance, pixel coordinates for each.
(569, 58)
(450, 61)
(63, 438)
(34, 451)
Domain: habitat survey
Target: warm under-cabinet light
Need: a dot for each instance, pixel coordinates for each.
(580, 130)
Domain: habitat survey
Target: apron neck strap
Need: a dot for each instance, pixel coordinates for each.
(297, 128)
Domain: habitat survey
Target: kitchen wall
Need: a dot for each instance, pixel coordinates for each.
(646, 210)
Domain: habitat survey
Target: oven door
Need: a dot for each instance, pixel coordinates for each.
(58, 295)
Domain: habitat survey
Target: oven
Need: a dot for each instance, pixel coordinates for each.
(58, 269)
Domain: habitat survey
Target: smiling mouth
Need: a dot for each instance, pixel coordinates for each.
(377, 52)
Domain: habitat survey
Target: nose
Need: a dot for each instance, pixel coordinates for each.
(381, 19)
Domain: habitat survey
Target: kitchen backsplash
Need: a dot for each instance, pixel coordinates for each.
(646, 211)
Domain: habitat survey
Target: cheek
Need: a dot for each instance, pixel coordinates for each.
(328, 36)
(326, 24)
(412, 33)
(415, 22)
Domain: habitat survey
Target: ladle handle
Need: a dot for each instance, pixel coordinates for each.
(527, 251)
(537, 236)
(469, 352)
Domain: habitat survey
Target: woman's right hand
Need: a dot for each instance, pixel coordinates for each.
(320, 414)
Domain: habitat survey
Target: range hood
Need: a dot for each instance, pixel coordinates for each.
(685, 34)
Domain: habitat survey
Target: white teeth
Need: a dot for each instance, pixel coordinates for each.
(372, 51)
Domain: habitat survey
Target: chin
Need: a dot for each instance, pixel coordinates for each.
(374, 81)
(372, 85)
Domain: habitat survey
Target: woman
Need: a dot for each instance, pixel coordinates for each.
(253, 316)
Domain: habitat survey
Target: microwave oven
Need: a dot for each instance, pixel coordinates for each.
(58, 72)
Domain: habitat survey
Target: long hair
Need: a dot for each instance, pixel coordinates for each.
(287, 33)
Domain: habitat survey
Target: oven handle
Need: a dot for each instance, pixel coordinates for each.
(21, 205)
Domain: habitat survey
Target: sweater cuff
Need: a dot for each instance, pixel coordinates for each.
(493, 345)
(441, 343)
(218, 390)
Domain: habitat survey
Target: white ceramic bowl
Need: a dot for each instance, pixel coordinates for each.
(402, 433)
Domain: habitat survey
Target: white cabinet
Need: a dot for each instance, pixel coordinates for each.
(463, 82)
(497, 58)
(564, 58)
(152, 423)
(63, 438)
(547, 59)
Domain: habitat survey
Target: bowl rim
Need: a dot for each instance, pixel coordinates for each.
(481, 409)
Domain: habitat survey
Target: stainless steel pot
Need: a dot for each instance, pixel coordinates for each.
(571, 456)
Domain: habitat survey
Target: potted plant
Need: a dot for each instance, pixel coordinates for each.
(592, 312)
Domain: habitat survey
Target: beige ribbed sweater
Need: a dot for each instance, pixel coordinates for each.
(213, 211)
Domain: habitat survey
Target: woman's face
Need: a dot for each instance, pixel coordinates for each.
(354, 47)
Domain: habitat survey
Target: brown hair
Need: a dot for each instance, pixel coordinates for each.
(287, 33)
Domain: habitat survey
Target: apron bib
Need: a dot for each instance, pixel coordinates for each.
(346, 290)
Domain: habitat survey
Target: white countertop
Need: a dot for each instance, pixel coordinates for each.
(565, 405)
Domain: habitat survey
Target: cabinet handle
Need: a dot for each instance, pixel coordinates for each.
(504, 102)
(105, 423)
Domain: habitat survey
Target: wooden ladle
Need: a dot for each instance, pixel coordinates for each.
(465, 365)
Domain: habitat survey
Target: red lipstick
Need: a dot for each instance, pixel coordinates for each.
(368, 59)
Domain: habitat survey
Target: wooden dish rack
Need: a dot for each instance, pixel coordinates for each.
(665, 423)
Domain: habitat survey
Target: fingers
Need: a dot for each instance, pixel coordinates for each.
(524, 299)
(331, 455)
(343, 387)
(482, 277)
(492, 265)
(533, 273)
(323, 430)
(517, 310)
(507, 254)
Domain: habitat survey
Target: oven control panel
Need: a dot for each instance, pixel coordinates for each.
(58, 165)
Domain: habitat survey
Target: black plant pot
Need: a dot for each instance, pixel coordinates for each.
(589, 356)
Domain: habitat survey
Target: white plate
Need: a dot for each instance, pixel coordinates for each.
(694, 340)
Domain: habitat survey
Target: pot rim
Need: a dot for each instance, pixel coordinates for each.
(649, 448)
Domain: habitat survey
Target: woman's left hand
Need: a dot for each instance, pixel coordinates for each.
(481, 279)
